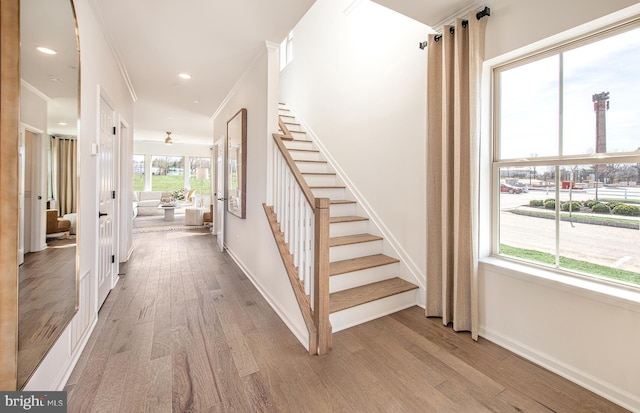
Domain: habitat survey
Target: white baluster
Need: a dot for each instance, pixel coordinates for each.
(285, 214)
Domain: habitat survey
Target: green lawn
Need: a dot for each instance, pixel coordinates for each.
(171, 183)
(571, 264)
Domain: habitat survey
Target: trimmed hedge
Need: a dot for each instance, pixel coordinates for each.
(629, 210)
(601, 208)
(550, 204)
(536, 203)
(571, 205)
(590, 203)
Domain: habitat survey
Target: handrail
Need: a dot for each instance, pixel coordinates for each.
(296, 172)
(286, 133)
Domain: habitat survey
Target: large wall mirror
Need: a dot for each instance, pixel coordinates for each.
(237, 164)
(47, 178)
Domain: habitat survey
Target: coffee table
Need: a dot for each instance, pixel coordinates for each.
(169, 211)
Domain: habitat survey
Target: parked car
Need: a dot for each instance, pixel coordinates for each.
(510, 189)
(523, 187)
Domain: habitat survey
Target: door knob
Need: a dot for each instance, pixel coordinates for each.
(101, 214)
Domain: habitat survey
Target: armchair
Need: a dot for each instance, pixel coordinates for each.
(57, 225)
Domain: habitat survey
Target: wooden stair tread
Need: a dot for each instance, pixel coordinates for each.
(352, 297)
(303, 150)
(352, 239)
(360, 263)
(304, 160)
(291, 123)
(341, 201)
(346, 218)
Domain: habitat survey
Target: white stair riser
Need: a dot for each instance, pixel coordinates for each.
(305, 156)
(331, 193)
(361, 249)
(321, 180)
(338, 210)
(299, 135)
(363, 277)
(293, 127)
(348, 228)
(298, 144)
(370, 311)
(313, 167)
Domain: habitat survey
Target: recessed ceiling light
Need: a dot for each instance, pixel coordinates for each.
(184, 75)
(62, 123)
(196, 100)
(46, 50)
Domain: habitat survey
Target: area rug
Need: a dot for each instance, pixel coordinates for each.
(156, 223)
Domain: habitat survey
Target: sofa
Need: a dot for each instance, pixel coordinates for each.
(146, 202)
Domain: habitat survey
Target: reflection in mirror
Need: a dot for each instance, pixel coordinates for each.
(237, 164)
(49, 71)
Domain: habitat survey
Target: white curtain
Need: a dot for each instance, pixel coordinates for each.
(453, 101)
(64, 174)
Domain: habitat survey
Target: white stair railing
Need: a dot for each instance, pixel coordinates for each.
(295, 216)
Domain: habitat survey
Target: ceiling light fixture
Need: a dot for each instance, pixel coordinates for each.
(196, 100)
(46, 50)
(184, 75)
(168, 140)
(62, 123)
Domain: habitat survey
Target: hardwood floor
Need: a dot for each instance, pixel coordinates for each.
(186, 331)
(47, 302)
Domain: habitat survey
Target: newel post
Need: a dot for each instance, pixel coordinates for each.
(321, 275)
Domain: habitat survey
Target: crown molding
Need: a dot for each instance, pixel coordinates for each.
(114, 51)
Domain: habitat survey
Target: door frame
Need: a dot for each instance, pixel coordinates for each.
(220, 193)
(37, 214)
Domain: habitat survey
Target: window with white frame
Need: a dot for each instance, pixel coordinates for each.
(286, 51)
(566, 157)
(138, 172)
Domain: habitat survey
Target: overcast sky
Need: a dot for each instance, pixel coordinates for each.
(530, 100)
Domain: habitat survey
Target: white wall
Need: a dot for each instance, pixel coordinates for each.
(586, 336)
(358, 80)
(99, 68)
(250, 241)
(33, 107)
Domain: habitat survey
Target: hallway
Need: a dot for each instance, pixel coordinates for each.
(185, 331)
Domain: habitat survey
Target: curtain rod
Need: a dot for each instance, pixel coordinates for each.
(482, 13)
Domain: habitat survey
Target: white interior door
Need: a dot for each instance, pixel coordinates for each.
(220, 194)
(106, 257)
(21, 185)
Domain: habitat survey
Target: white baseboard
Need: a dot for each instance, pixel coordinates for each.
(75, 356)
(594, 384)
(302, 336)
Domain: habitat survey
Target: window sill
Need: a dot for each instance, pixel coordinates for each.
(609, 293)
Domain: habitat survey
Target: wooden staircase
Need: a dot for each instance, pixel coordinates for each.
(364, 282)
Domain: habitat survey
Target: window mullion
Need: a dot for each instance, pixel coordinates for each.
(560, 152)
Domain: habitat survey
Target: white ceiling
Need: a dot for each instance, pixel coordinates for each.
(433, 13)
(215, 41)
(50, 23)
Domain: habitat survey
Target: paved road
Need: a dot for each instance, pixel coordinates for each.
(613, 247)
